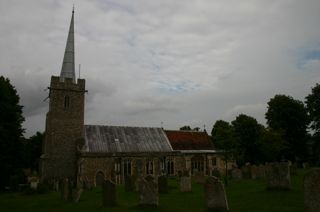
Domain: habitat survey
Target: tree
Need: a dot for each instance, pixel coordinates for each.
(222, 135)
(10, 131)
(313, 108)
(247, 131)
(271, 145)
(188, 128)
(290, 116)
(32, 151)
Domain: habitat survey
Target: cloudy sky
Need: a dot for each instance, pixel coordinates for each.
(188, 62)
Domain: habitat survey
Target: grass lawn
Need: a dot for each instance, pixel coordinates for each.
(246, 195)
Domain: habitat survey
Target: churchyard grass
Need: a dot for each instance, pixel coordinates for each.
(244, 195)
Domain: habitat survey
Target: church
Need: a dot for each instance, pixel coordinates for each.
(92, 153)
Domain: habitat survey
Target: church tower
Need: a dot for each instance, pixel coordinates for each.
(65, 119)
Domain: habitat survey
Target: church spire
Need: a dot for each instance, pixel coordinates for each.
(68, 68)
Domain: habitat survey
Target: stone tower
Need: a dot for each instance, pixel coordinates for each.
(65, 119)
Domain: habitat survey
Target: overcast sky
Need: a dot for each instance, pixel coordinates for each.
(186, 62)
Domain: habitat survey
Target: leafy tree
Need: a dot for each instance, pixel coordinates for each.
(10, 131)
(185, 128)
(290, 116)
(271, 145)
(188, 128)
(247, 131)
(313, 108)
(32, 151)
(222, 135)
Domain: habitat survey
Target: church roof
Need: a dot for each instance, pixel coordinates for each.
(189, 140)
(113, 139)
(68, 69)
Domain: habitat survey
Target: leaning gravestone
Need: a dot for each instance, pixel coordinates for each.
(215, 195)
(148, 190)
(109, 196)
(236, 174)
(312, 190)
(77, 194)
(162, 184)
(278, 176)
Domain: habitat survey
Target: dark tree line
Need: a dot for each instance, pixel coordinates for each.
(16, 152)
(292, 132)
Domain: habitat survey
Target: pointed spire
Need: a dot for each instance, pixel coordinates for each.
(68, 68)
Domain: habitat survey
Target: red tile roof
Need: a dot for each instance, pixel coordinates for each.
(189, 140)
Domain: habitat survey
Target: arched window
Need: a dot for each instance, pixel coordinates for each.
(66, 102)
(197, 164)
(170, 166)
(99, 178)
(149, 167)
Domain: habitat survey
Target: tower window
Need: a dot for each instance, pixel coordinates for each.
(66, 102)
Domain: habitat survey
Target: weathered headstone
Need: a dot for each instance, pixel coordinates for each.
(278, 175)
(162, 184)
(34, 181)
(246, 172)
(148, 190)
(77, 194)
(236, 174)
(293, 169)
(312, 190)
(109, 196)
(66, 189)
(216, 195)
(185, 184)
(261, 172)
(254, 172)
(129, 184)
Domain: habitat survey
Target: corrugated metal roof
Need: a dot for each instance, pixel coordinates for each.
(189, 140)
(112, 139)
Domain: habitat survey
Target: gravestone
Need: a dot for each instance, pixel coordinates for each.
(261, 172)
(34, 181)
(278, 176)
(236, 174)
(293, 169)
(148, 191)
(65, 189)
(109, 196)
(311, 184)
(254, 172)
(246, 172)
(185, 184)
(77, 194)
(162, 184)
(215, 195)
(129, 184)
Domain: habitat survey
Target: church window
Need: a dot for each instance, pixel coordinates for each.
(170, 166)
(197, 164)
(149, 167)
(66, 102)
(127, 167)
(214, 161)
(117, 171)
